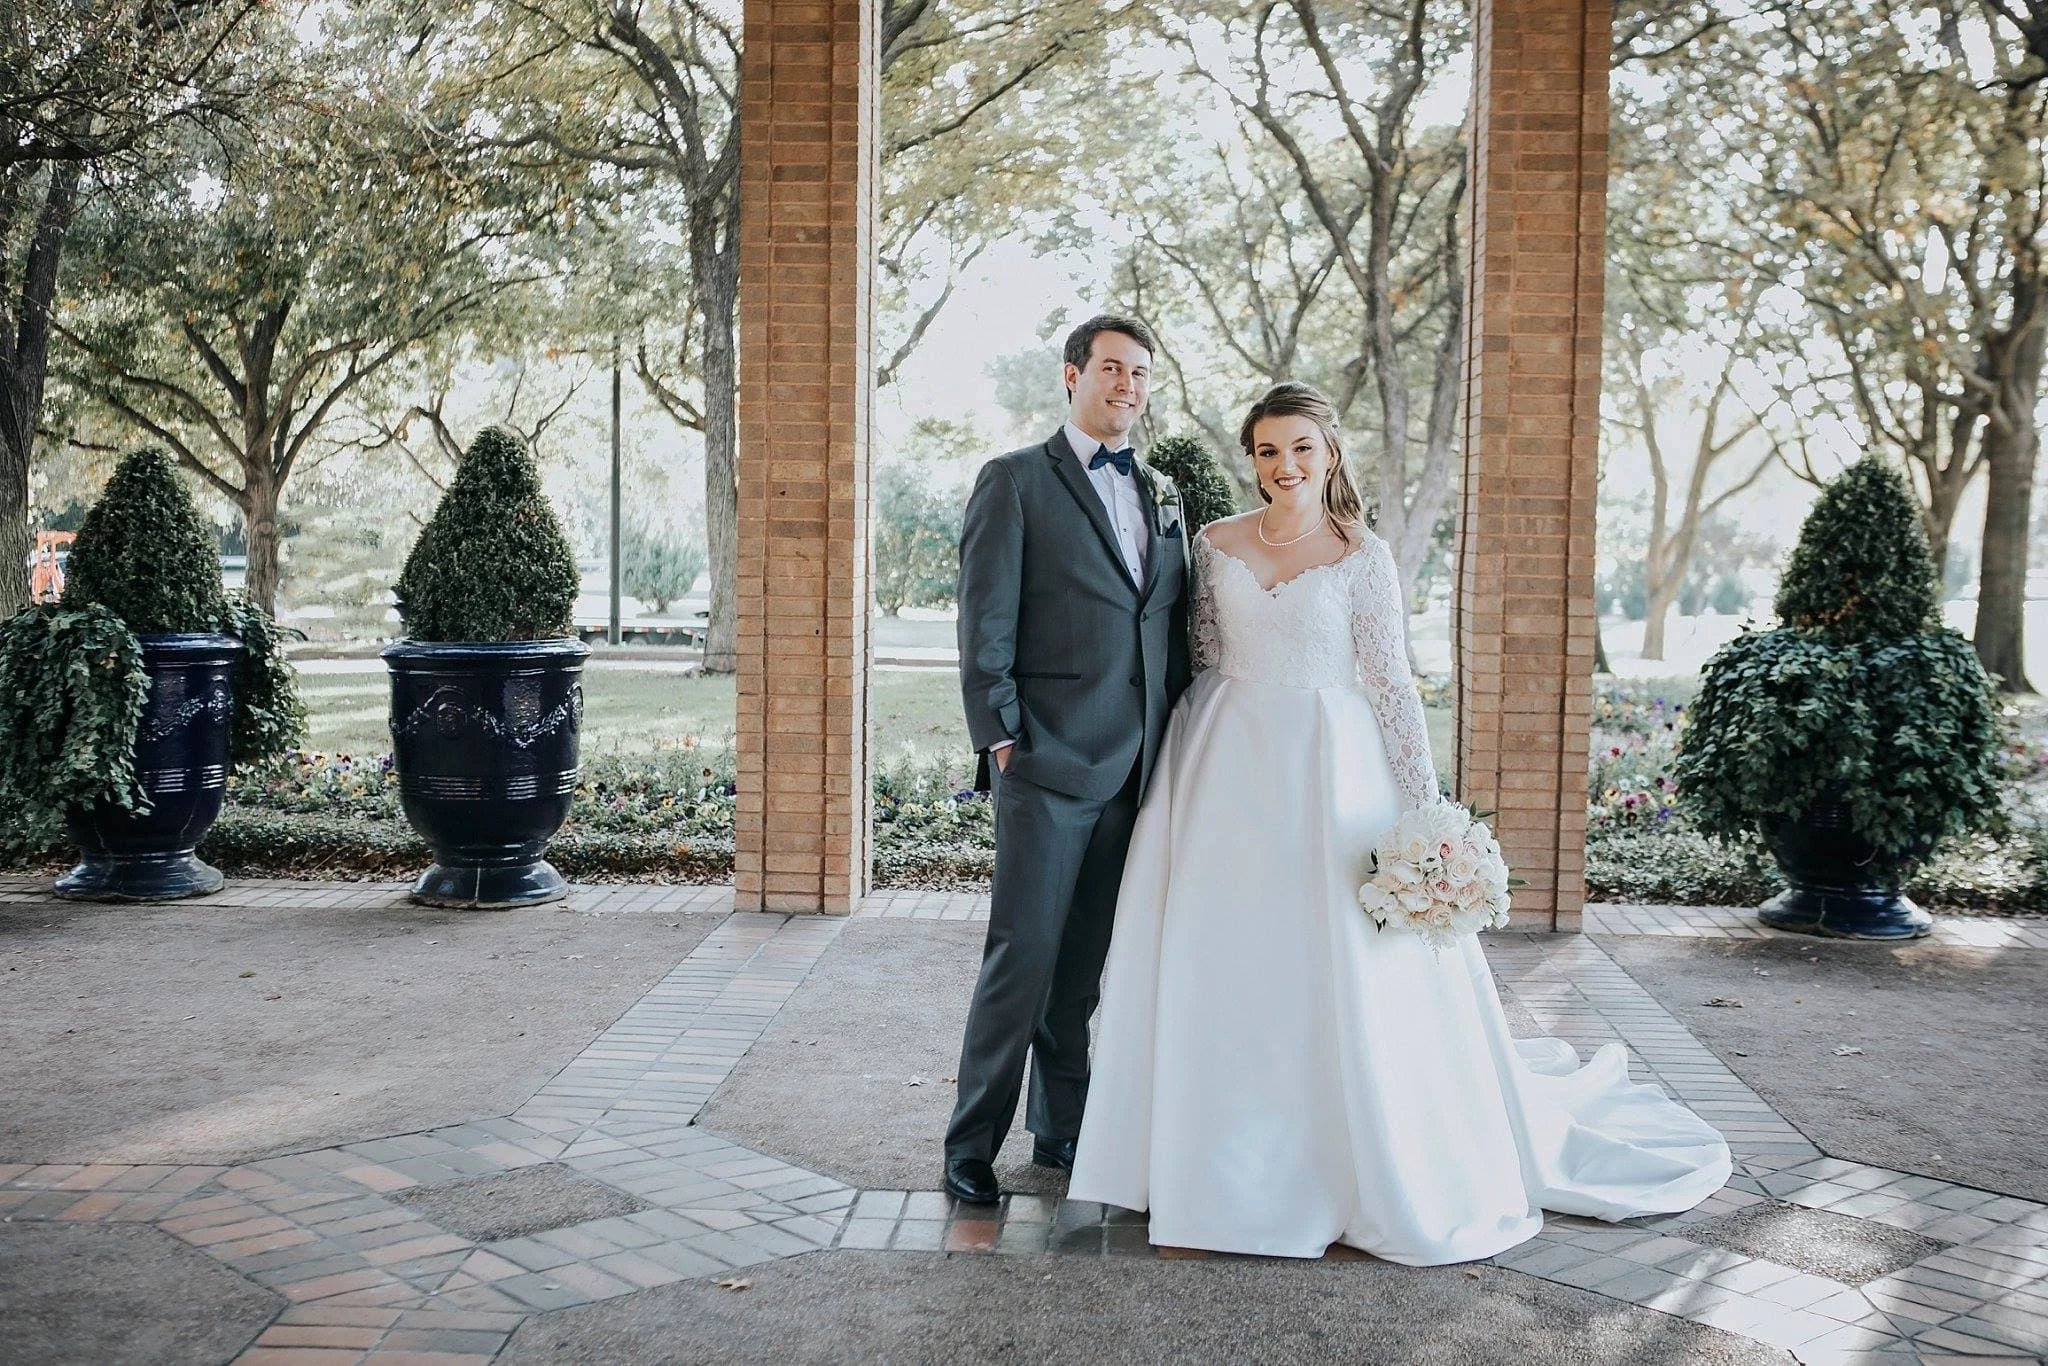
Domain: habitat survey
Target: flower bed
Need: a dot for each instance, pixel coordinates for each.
(1640, 848)
(663, 816)
(669, 816)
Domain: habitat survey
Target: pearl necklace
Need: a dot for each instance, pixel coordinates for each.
(1297, 540)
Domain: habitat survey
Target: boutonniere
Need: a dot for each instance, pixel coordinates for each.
(1166, 513)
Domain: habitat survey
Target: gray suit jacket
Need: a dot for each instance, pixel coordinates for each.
(1059, 651)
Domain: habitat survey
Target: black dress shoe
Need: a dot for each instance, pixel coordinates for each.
(972, 1180)
(1054, 1152)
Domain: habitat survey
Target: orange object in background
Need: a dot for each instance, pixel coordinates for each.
(46, 566)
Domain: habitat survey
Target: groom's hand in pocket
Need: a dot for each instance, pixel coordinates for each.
(1001, 755)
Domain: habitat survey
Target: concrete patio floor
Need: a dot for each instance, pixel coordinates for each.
(677, 1134)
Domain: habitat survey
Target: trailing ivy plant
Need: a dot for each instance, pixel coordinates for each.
(270, 717)
(1205, 494)
(71, 697)
(492, 564)
(1861, 698)
(72, 675)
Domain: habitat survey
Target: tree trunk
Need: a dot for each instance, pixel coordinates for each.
(24, 366)
(2012, 448)
(721, 443)
(1939, 515)
(16, 446)
(1661, 589)
(259, 525)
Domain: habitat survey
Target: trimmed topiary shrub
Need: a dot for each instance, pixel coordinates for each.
(72, 685)
(1205, 491)
(493, 564)
(145, 554)
(1860, 699)
(1862, 570)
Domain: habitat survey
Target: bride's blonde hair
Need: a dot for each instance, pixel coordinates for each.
(1292, 399)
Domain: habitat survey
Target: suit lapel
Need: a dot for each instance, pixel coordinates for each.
(1153, 539)
(1076, 479)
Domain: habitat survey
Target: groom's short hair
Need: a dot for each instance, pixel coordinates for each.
(1081, 341)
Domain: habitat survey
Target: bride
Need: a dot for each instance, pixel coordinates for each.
(1272, 1073)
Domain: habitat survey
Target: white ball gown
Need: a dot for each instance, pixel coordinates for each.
(1272, 1073)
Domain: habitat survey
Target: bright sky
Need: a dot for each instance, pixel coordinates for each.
(1004, 302)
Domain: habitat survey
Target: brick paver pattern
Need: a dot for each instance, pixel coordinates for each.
(368, 1279)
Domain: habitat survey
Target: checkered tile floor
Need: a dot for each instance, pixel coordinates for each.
(369, 1279)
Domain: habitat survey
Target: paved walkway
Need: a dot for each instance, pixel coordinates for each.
(366, 1241)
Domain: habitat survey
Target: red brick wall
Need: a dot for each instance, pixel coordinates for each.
(1523, 610)
(808, 104)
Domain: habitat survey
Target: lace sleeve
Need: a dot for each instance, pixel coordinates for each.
(1203, 644)
(1379, 638)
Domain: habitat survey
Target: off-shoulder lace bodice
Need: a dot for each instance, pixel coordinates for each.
(1338, 625)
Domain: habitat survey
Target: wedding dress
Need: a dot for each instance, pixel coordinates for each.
(1274, 1074)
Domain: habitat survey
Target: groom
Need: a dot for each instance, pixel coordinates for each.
(1073, 647)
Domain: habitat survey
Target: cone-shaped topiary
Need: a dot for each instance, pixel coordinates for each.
(1205, 494)
(1861, 570)
(493, 564)
(145, 555)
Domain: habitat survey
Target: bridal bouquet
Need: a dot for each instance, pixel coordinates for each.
(1439, 873)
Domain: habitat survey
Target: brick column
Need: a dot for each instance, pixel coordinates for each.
(808, 109)
(1523, 609)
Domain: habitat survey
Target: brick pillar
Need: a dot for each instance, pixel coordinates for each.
(808, 110)
(1524, 604)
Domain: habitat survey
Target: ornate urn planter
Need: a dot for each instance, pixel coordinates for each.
(181, 762)
(1837, 885)
(484, 742)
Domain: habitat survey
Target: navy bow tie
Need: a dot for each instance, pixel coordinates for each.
(1122, 459)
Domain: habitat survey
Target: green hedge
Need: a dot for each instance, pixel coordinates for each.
(670, 816)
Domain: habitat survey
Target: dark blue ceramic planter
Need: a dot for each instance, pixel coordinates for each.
(181, 760)
(1837, 886)
(483, 738)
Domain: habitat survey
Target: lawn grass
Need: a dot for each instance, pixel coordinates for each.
(623, 709)
(916, 712)
(642, 710)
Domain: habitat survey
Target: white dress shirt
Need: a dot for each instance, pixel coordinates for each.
(1121, 499)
